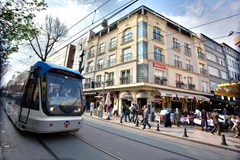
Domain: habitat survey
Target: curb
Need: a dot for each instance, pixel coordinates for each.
(183, 138)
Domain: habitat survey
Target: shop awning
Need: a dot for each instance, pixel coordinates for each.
(125, 95)
(166, 93)
(142, 95)
(201, 98)
(185, 95)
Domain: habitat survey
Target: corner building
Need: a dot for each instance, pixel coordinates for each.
(148, 59)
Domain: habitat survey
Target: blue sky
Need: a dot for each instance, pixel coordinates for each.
(188, 13)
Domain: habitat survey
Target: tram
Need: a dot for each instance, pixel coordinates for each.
(48, 99)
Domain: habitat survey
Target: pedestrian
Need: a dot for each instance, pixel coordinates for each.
(91, 108)
(204, 119)
(167, 121)
(124, 114)
(216, 124)
(132, 110)
(177, 117)
(157, 119)
(145, 118)
(172, 116)
(128, 113)
(136, 114)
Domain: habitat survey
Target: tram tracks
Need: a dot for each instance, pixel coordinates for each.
(141, 142)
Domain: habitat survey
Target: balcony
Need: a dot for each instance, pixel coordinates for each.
(191, 87)
(125, 80)
(187, 51)
(189, 67)
(201, 55)
(180, 84)
(203, 71)
(109, 82)
(177, 64)
(161, 80)
(176, 46)
(112, 46)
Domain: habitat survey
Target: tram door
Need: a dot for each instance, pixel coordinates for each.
(30, 100)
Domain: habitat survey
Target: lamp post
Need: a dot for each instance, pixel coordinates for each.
(104, 81)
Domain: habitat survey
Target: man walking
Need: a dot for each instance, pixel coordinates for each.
(136, 114)
(145, 117)
(215, 117)
(204, 119)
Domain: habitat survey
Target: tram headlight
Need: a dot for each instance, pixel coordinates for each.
(79, 109)
(52, 109)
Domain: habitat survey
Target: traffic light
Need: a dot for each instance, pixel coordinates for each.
(92, 84)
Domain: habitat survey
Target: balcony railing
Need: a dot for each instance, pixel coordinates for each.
(98, 84)
(99, 66)
(161, 80)
(111, 62)
(126, 58)
(189, 67)
(187, 51)
(191, 86)
(180, 84)
(90, 54)
(89, 69)
(110, 82)
(160, 58)
(178, 64)
(203, 71)
(126, 38)
(112, 46)
(86, 85)
(176, 46)
(125, 80)
(157, 36)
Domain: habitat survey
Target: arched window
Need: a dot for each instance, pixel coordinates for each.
(127, 35)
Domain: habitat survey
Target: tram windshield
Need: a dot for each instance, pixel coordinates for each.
(63, 95)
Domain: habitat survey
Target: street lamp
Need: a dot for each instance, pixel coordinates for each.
(104, 81)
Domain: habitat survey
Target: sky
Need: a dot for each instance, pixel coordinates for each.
(188, 13)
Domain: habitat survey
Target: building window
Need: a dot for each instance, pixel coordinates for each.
(176, 45)
(157, 34)
(160, 77)
(204, 86)
(100, 64)
(112, 60)
(110, 79)
(213, 86)
(98, 81)
(87, 83)
(142, 29)
(200, 53)
(127, 54)
(203, 71)
(127, 35)
(90, 53)
(158, 56)
(142, 50)
(179, 82)
(113, 43)
(142, 73)
(125, 77)
(189, 66)
(177, 62)
(187, 49)
(221, 62)
(102, 48)
(213, 71)
(90, 66)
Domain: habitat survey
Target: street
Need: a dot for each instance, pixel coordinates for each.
(101, 140)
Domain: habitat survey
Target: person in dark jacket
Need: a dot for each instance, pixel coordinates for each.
(204, 119)
(145, 118)
(167, 120)
(124, 113)
(216, 124)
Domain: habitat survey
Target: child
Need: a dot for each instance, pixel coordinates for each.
(157, 119)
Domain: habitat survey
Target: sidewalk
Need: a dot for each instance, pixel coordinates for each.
(194, 133)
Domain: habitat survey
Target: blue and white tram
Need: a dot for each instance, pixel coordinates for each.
(50, 100)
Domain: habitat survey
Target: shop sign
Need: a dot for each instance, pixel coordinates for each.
(159, 65)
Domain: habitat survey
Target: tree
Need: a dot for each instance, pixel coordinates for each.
(16, 24)
(50, 32)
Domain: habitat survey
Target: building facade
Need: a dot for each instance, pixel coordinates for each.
(148, 59)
